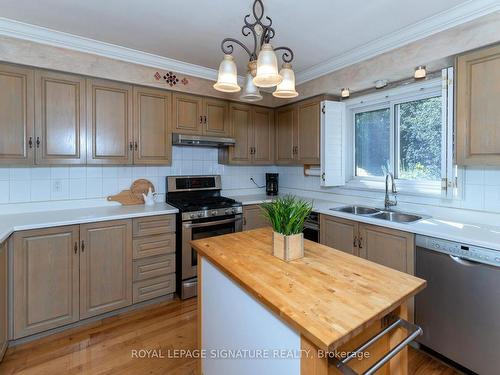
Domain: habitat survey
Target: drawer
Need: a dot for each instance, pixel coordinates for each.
(153, 245)
(152, 288)
(147, 226)
(148, 268)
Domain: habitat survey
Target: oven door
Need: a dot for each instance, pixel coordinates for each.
(197, 229)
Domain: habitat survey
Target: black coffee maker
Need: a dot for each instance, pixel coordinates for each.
(272, 183)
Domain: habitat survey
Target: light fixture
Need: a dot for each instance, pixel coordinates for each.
(286, 89)
(344, 93)
(227, 80)
(381, 83)
(250, 92)
(420, 72)
(262, 56)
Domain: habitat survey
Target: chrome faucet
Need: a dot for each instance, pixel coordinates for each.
(387, 202)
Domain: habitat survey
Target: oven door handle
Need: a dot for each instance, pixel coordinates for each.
(211, 223)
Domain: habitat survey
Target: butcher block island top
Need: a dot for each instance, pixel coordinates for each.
(328, 296)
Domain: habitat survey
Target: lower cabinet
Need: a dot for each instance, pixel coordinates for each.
(339, 233)
(65, 274)
(46, 275)
(253, 217)
(105, 267)
(3, 300)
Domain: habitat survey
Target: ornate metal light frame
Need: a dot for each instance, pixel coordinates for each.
(261, 31)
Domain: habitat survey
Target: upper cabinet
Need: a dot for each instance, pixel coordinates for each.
(152, 134)
(477, 107)
(59, 118)
(195, 115)
(16, 115)
(298, 133)
(253, 129)
(109, 122)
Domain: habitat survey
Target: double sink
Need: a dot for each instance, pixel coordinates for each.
(394, 216)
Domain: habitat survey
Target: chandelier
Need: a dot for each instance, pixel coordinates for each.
(263, 63)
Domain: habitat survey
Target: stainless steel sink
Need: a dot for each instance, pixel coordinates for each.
(356, 210)
(397, 217)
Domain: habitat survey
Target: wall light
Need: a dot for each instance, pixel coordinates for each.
(345, 92)
(420, 72)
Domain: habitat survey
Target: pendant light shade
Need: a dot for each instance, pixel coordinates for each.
(286, 89)
(267, 68)
(250, 92)
(227, 80)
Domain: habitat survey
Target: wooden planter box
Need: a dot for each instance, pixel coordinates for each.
(288, 247)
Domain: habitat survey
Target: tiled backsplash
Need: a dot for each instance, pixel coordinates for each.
(33, 184)
(481, 189)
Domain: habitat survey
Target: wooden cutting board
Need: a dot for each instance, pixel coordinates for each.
(134, 195)
(126, 197)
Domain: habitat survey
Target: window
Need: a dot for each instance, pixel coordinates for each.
(405, 131)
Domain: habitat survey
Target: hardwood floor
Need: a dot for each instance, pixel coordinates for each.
(106, 346)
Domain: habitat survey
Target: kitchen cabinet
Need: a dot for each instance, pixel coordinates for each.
(341, 234)
(59, 118)
(477, 110)
(298, 133)
(152, 133)
(109, 122)
(253, 129)
(105, 267)
(16, 115)
(3, 300)
(253, 217)
(45, 279)
(195, 115)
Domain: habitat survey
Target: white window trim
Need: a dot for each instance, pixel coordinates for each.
(389, 99)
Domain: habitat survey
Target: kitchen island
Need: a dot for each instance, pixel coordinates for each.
(261, 315)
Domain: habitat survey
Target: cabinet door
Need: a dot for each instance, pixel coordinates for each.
(109, 122)
(59, 118)
(478, 109)
(308, 132)
(253, 218)
(152, 133)
(389, 247)
(46, 271)
(216, 117)
(105, 267)
(285, 123)
(3, 300)
(341, 234)
(242, 132)
(187, 114)
(263, 136)
(16, 115)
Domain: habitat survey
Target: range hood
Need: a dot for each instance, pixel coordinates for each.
(201, 140)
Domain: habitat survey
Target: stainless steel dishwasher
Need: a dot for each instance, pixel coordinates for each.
(459, 311)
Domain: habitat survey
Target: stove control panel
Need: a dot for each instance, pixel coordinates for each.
(457, 249)
(211, 213)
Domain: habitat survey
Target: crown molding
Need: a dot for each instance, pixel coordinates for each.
(455, 16)
(43, 35)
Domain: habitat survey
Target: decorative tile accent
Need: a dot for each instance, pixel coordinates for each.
(171, 79)
(184, 81)
(157, 76)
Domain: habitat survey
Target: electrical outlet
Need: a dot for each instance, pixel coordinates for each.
(57, 186)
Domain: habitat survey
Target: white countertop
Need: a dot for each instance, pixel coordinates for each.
(450, 229)
(69, 216)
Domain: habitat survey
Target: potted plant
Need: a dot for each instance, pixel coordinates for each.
(287, 216)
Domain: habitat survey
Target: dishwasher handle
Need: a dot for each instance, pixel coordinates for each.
(463, 261)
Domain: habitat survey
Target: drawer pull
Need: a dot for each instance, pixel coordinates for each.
(413, 332)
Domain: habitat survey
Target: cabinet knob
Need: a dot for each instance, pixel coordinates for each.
(83, 246)
(37, 142)
(131, 145)
(30, 142)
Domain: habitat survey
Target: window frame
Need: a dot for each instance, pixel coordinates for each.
(390, 99)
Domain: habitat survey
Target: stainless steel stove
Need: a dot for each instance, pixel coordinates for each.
(203, 213)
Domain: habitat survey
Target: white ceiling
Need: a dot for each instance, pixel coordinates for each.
(191, 30)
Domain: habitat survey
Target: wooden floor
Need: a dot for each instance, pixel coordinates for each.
(106, 347)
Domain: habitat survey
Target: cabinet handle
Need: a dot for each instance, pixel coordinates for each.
(205, 120)
(254, 150)
(131, 146)
(37, 142)
(76, 247)
(355, 242)
(244, 221)
(30, 142)
(201, 119)
(83, 246)
(135, 146)
(360, 239)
